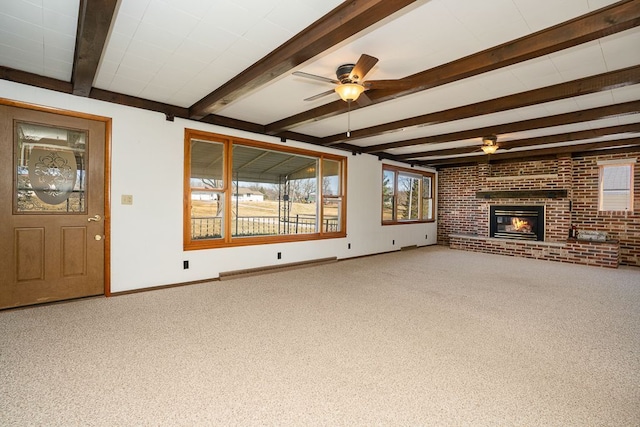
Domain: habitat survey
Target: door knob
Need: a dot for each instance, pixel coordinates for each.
(98, 237)
(95, 218)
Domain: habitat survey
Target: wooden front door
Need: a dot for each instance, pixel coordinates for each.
(51, 206)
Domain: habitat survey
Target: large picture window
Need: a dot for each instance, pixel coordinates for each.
(240, 192)
(616, 185)
(407, 195)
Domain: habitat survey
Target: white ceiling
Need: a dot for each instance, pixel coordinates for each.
(178, 51)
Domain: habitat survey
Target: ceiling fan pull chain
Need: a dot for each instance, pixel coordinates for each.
(348, 118)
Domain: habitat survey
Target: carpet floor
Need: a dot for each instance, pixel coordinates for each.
(430, 336)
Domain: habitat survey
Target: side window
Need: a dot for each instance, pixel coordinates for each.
(407, 195)
(616, 186)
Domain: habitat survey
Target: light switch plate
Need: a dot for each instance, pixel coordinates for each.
(126, 199)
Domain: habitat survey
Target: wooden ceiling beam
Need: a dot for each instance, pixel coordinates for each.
(524, 125)
(528, 142)
(609, 20)
(94, 21)
(341, 23)
(577, 148)
(606, 81)
(171, 111)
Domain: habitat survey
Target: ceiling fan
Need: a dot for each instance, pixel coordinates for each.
(489, 144)
(350, 84)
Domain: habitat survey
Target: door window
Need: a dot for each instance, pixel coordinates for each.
(50, 165)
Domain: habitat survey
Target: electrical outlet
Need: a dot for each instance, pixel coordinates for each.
(126, 199)
(279, 255)
(349, 246)
(393, 242)
(185, 264)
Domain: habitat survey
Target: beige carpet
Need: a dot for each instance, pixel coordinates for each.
(426, 337)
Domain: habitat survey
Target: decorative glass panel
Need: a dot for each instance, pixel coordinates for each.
(50, 169)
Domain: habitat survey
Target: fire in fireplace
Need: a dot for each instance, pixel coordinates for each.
(517, 222)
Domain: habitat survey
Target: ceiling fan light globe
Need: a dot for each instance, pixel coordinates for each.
(489, 149)
(349, 91)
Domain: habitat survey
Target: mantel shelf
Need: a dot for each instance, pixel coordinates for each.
(522, 194)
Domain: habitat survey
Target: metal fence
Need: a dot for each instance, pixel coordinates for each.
(211, 227)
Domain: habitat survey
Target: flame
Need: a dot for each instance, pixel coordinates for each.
(521, 224)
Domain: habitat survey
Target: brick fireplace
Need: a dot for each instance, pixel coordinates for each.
(565, 187)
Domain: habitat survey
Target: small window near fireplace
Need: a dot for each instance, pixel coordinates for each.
(616, 185)
(517, 222)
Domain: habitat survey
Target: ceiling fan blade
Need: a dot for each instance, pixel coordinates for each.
(398, 84)
(315, 77)
(320, 95)
(363, 66)
(363, 100)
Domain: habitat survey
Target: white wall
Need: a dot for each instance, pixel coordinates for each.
(146, 237)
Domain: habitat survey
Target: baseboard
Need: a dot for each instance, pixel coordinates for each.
(235, 274)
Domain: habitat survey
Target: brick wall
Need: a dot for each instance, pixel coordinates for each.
(460, 212)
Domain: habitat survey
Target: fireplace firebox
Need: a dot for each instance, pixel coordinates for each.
(517, 222)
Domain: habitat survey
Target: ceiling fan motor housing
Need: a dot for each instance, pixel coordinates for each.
(343, 71)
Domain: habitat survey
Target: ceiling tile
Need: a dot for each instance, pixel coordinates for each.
(195, 8)
(126, 85)
(18, 43)
(57, 69)
(292, 15)
(59, 40)
(536, 73)
(157, 36)
(162, 14)
(64, 7)
(627, 42)
(267, 34)
(27, 60)
(537, 15)
(133, 8)
(124, 24)
(66, 24)
(237, 20)
(22, 10)
(18, 27)
(262, 7)
(579, 61)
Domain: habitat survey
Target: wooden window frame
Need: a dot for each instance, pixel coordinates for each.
(416, 173)
(615, 163)
(230, 241)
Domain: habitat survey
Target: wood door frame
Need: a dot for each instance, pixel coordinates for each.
(107, 172)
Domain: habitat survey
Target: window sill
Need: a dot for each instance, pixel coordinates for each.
(426, 221)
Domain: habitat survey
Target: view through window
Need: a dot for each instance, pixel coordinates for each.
(247, 192)
(407, 195)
